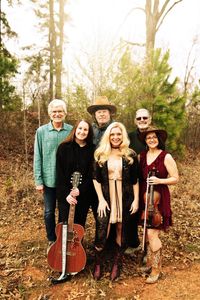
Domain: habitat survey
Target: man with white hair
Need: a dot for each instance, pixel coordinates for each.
(47, 139)
(142, 121)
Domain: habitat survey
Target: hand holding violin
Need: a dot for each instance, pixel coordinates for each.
(153, 180)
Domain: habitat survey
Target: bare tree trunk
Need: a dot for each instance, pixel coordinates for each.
(150, 25)
(1, 57)
(25, 126)
(52, 44)
(59, 53)
(154, 19)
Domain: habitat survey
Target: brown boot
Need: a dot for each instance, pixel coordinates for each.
(97, 273)
(156, 267)
(117, 264)
(147, 268)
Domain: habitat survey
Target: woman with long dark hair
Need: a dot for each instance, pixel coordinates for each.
(76, 154)
(158, 169)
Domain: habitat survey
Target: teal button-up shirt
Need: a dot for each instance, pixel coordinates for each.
(47, 139)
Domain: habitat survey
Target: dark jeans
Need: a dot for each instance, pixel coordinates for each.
(49, 212)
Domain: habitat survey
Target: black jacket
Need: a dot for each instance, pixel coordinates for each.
(70, 158)
(135, 143)
(129, 178)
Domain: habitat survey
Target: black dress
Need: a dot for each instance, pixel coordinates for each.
(70, 158)
(129, 177)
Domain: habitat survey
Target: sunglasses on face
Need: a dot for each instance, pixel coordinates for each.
(141, 118)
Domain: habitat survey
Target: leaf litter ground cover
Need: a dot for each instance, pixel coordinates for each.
(24, 272)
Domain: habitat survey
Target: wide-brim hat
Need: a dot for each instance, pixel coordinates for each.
(161, 133)
(101, 102)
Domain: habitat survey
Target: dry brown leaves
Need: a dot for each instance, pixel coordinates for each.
(23, 267)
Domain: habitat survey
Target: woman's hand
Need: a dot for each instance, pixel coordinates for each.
(75, 192)
(134, 207)
(71, 200)
(103, 205)
(153, 180)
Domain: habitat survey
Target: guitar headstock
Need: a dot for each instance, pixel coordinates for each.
(76, 179)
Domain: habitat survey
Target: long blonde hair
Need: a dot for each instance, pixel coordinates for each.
(103, 151)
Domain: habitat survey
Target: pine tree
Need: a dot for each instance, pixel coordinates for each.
(149, 85)
(163, 99)
(9, 100)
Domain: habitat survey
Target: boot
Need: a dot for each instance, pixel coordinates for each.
(97, 268)
(117, 263)
(147, 268)
(156, 267)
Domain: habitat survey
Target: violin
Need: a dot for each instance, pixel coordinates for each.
(67, 254)
(151, 215)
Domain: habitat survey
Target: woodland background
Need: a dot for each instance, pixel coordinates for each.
(130, 82)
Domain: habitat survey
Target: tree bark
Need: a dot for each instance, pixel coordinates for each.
(59, 52)
(154, 19)
(52, 44)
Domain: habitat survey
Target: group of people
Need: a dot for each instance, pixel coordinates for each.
(115, 168)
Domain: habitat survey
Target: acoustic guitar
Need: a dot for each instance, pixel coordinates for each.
(67, 254)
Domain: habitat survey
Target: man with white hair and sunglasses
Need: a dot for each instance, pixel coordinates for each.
(142, 122)
(47, 139)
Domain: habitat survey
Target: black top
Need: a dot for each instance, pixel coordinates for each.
(98, 132)
(70, 158)
(135, 143)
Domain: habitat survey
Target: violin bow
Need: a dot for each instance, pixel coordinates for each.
(145, 216)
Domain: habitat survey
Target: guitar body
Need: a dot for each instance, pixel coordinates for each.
(75, 254)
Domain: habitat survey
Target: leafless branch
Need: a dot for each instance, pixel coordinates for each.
(128, 14)
(188, 69)
(163, 9)
(135, 44)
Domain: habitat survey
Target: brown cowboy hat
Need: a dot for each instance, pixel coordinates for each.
(101, 102)
(161, 133)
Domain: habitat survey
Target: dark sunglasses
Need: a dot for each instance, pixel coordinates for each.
(140, 118)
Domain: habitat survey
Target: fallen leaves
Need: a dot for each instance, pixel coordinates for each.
(23, 267)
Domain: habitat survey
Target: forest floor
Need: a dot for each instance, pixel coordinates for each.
(24, 272)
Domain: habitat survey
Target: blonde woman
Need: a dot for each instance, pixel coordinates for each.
(116, 184)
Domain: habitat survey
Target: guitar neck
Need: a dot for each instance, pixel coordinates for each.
(76, 179)
(71, 218)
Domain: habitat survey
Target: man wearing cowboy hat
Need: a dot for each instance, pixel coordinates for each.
(102, 111)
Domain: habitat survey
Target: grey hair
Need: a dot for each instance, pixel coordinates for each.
(57, 102)
(143, 110)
